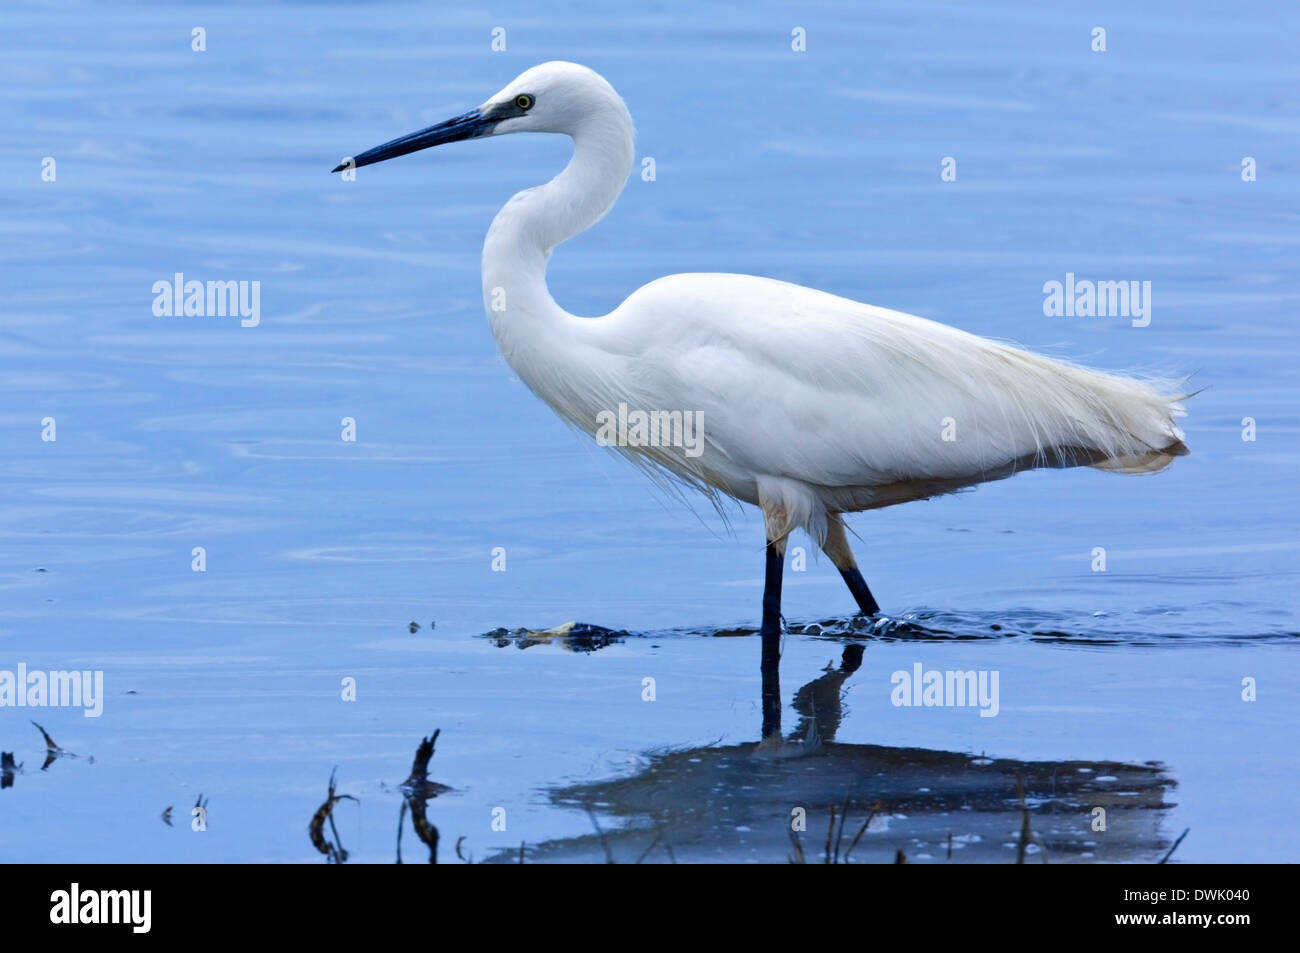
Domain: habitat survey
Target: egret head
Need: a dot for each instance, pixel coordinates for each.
(553, 97)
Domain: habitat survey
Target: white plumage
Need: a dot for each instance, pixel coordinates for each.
(839, 406)
(812, 405)
(811, 401)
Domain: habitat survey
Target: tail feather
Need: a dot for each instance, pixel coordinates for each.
(1152, 462)
(1108, 421)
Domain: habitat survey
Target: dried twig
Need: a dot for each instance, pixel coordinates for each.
(651, 846)
(427, 833)
(1025, 833)
(401, 820)
(865, 824)
(333, 852)
(797, 857)
(52, 749)
(1171, 850)
(844, 814)
(7, 769)
(50, 743)
(600, 835)
(830, 832)
(418, 789)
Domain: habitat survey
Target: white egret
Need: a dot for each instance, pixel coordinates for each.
(811, 405)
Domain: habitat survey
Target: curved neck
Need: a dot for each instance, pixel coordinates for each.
(532, 223)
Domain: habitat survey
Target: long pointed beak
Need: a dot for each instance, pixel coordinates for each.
(468, 126)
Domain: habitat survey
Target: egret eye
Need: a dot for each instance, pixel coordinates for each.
(524, 101)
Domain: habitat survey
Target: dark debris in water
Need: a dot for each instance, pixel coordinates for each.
(916, 625)
(573, 636)
(417, 791)
(52, 749)
(332, 849)
(8, 769)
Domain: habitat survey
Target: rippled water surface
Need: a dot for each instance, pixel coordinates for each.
(372, 560)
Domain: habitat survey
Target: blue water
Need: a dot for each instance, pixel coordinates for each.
(820, 167)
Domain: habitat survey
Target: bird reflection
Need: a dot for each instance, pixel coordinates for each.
(741, 802)
(819, 702)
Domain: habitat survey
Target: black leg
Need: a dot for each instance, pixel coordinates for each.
(858, 586)
(771, 635)
(837, 547)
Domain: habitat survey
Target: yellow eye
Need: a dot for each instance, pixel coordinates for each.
(524, 101)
